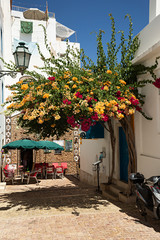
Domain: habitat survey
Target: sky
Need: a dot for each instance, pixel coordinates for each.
(86, 17)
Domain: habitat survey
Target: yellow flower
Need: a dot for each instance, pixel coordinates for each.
(118, 87)
(40, 121)
(131, 111)
(91, 93)
(109, 72)
(46, 95)
(74, 78)
(74, 86)
(57, 117)
(66, 86)
(53, 125)
(90, 109)
(116, 74)
(106, 88)
(90, 79)
(11, 106)
(120, 116)
(108, 83)
(122, 82)
(24, 87)
(19, 82)
(122, 106)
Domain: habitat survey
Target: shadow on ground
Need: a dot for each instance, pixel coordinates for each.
(75, 196)
(131, 210)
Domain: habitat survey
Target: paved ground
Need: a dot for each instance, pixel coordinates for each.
(64, 209)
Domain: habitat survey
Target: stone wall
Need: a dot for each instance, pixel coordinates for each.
(39, 156)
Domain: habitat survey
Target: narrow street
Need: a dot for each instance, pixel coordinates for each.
(67, 209)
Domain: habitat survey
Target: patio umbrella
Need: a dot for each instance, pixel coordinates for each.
(48, 145)
(34, 13)
(19, 144)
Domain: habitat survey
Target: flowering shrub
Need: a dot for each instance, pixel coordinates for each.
(82, 98)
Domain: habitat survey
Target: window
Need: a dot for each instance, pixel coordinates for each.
(68, 145)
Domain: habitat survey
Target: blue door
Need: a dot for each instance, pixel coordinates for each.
(124, 157)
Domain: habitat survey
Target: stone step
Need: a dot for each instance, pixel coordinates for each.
(2, 185)
(114, 188)
(110, 195)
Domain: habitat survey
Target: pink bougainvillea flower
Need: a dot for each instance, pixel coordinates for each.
(118, 93)
(120, 98)
(78, 95)
(139, 109)
(51, 78)
(86, 124)
(95, 117)
(105, 117)
(134, 101)
(157, 83)
(102, 87)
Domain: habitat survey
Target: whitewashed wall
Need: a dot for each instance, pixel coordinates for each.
(89, 153)
(148, 132)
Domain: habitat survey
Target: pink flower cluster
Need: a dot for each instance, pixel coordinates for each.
(66, 101)
(134, 101)
(51, 78)
(78, 95)
(71, 121)
(105, 117)
(157, 83)
(86, 124)
(95, 117)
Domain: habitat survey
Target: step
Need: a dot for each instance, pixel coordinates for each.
(2, 185)
(114, 188)
(110, 195)
(126, 199)
(121, 184)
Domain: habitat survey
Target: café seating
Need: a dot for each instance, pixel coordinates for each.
(32, 175)
(64, 165)
(59, 171)
(39, 168)
(49, 170)
(8, 174)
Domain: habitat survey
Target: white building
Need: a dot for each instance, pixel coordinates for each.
(17, 27)
(147, 132)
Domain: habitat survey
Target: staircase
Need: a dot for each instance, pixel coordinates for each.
(116, 191)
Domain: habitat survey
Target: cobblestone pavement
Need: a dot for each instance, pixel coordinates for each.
(67, 209)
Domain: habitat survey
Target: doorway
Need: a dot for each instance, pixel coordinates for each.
(123, 155)
(27, 159)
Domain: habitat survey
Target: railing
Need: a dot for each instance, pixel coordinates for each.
(23, 9)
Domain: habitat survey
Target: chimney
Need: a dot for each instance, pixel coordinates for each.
(154, 9)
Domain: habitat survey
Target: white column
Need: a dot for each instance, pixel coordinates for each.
(154, 9)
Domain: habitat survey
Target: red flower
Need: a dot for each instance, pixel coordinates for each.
(51, 78)
(105, 118)
(139, 109)
(134, 101)
(157, 83)
(78, 95)
(95, 117)
(118, 93)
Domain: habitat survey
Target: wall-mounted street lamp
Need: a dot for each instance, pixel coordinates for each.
(22, 58)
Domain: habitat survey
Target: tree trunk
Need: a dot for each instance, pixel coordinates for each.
(113, 144)
(130, 138)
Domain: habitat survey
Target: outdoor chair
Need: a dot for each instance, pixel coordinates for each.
(55, 164)
(64, 165)
(8, 175)
(59, 171)
(39, 168)
(49, 170)
(32, 175)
